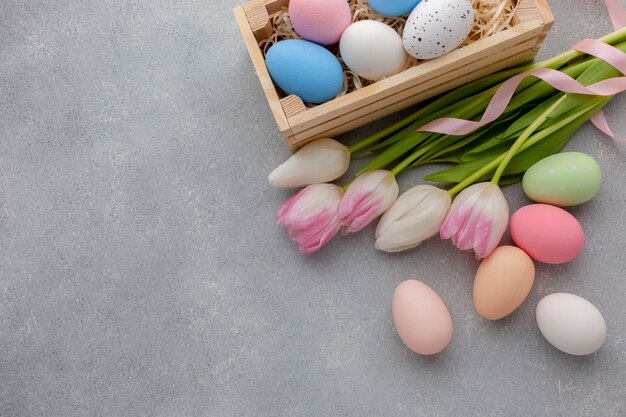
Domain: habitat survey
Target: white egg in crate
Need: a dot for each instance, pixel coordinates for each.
(372, 50)
(437, 27)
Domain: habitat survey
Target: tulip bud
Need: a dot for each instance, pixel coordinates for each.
(416, 216)
(310, 216)
(320, 161)
(477, 219)
(369, 196)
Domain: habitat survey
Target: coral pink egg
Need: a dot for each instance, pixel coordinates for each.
(320, 21)
(421, 318)
(547, 233)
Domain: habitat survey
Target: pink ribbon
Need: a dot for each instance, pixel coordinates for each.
(617, 13)
(599, 121)
(557, 79)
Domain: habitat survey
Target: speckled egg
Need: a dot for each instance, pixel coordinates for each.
(305, 69)
(564, 179)
(547, 233)
(320, 21)
(437, 27)
(393, 7)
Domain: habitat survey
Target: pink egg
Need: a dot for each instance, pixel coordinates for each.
(421, 318)
(320, 21)
(547, 233)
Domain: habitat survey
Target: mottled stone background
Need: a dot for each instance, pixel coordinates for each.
(142, 274)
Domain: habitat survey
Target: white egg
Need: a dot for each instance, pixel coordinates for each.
(436, 27)
(372, 50)
(571, 323)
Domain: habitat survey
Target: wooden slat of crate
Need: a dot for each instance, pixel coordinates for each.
(261, 70)
(296, 141)
(439, 70)
(299, 125)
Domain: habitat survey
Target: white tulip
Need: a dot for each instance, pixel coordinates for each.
(320, 161)
(416, 216)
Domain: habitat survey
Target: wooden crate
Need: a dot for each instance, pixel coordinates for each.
(299, 124)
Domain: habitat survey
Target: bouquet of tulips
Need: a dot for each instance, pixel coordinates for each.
(536, 122)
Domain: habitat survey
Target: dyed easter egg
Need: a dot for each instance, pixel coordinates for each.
(305, 69)
(502, 282)
(320, 21)
(421, 318)
(372, 50)
(571, 324)
(547, 233)
(435, 28)
(564, 179)
(393, 7)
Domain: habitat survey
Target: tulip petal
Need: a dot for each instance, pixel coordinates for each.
(477, 219)
(369, 196)
(320, 161)
(311, 216)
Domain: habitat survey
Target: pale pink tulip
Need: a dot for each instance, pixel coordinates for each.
(369, 196)
(311, 217)
(477, 219)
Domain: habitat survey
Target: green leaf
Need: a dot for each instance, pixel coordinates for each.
(459, 172)
(460, 103)
(480, 100)
(510, 179)
(448, 99)
(459, 145)
(530, 116)
(531, 89)
(548, 145)
(500, 143)
(600, 70)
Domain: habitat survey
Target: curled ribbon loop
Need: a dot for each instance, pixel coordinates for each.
(557, 79)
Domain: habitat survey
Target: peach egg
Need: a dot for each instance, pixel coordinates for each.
(503, 281)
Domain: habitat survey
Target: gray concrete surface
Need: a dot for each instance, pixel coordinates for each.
(142, 274)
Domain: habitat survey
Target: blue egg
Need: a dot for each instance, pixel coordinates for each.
(393, 7)
(305, 69)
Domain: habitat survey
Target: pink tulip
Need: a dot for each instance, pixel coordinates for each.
(477, 219)
(369, 196)
(311, 217)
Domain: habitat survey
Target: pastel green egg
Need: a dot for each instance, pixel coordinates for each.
(564, 179)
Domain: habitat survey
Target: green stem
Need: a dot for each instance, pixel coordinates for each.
(388, 131)
(476, 175)
(595, 104)
(612, 38)
(554, 63)
(408, 161)
(522, 138)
